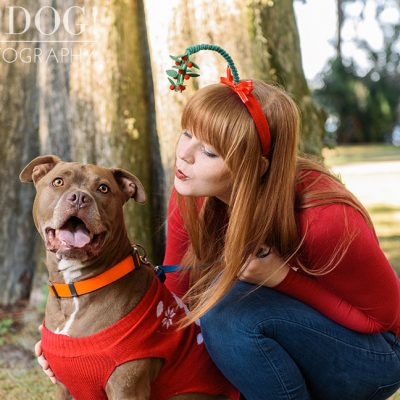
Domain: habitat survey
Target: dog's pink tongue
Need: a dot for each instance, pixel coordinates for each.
(77, 236)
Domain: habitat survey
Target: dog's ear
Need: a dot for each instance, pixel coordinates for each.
(130, 185)
(38, 168)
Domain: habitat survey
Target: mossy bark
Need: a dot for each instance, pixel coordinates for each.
(106, 97)
(260, 35)
(19, 129)
(277, 57)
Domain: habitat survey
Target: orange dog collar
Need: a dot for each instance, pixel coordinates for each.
(75, 289)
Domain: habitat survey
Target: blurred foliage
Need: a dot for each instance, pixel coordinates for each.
(365, 104)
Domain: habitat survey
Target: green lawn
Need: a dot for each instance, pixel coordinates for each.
(361, 153)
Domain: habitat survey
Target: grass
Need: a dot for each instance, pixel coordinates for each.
(21, 383)
(361, 153)
(20, 376)
(386, 217)
(387, 225)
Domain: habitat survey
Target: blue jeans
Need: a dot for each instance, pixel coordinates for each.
(274, 347)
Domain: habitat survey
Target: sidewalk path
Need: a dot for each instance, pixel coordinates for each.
(372, 182)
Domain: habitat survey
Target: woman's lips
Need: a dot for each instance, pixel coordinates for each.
(180, 175)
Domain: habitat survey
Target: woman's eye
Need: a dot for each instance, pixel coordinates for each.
(58, 182)
(104, 188)
(187, 134)
(208, 154)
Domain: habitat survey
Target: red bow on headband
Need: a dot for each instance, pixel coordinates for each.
(244, 91)
(243, 88)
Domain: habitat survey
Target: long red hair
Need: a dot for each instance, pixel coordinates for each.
(262, 207)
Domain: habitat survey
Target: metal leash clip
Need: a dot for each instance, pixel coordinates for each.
(143, 256)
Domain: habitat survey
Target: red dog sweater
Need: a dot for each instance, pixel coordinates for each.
(84, 364)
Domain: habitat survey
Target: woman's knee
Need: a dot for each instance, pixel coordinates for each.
(245, 306)
(223, 317)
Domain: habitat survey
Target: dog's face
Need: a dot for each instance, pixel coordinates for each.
(78, 207)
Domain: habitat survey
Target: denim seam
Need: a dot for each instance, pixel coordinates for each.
(325, 334)
(277, 374)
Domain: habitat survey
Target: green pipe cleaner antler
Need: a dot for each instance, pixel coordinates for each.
(183, 66)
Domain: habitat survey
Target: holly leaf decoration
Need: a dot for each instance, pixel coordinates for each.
(172, 73)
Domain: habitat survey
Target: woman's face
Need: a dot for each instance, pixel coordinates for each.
(200, 170)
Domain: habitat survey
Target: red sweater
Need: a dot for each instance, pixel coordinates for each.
(362, 293)
(85, 364)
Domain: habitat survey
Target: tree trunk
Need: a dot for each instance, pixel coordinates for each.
(340, 21)
(19, 144)
(277, 56)
(98, 107)
(260, 35)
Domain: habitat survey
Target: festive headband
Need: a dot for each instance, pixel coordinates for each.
(183, 70)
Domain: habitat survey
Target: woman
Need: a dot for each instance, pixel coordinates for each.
(296, 298)
(325, 324)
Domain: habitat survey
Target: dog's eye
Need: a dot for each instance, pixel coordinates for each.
(58, 182)
(104, 188)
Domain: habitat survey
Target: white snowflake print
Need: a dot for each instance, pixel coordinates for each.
(160, 308)
(168, 316)
(199, 338)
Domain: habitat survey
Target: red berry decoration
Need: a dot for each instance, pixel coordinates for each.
(181, 72)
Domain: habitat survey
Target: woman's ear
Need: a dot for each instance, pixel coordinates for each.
(264, 165)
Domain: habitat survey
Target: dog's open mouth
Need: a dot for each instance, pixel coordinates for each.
(74, 237)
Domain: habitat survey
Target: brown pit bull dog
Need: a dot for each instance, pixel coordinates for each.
(109, 329)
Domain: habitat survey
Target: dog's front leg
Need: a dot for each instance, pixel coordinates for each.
(62, 392)
(132, 380)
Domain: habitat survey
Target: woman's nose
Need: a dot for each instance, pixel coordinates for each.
(186, 153)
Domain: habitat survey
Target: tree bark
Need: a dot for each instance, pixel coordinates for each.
(260, 35)
(277, 56)
(98, 107)
(88, 98)
(19, 129)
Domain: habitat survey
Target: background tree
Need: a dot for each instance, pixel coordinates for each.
(95, 106)
(277, 57)
(19, 128)
(365, 100)
(260, 35)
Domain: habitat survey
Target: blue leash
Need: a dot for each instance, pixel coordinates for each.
(161, 270)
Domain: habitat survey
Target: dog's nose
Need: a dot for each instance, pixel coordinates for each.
(79, 199)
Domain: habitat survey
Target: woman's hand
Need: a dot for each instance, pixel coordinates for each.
(42, 361)
(266, 268)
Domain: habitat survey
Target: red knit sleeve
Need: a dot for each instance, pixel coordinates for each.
(362, 292)
(176, 246)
